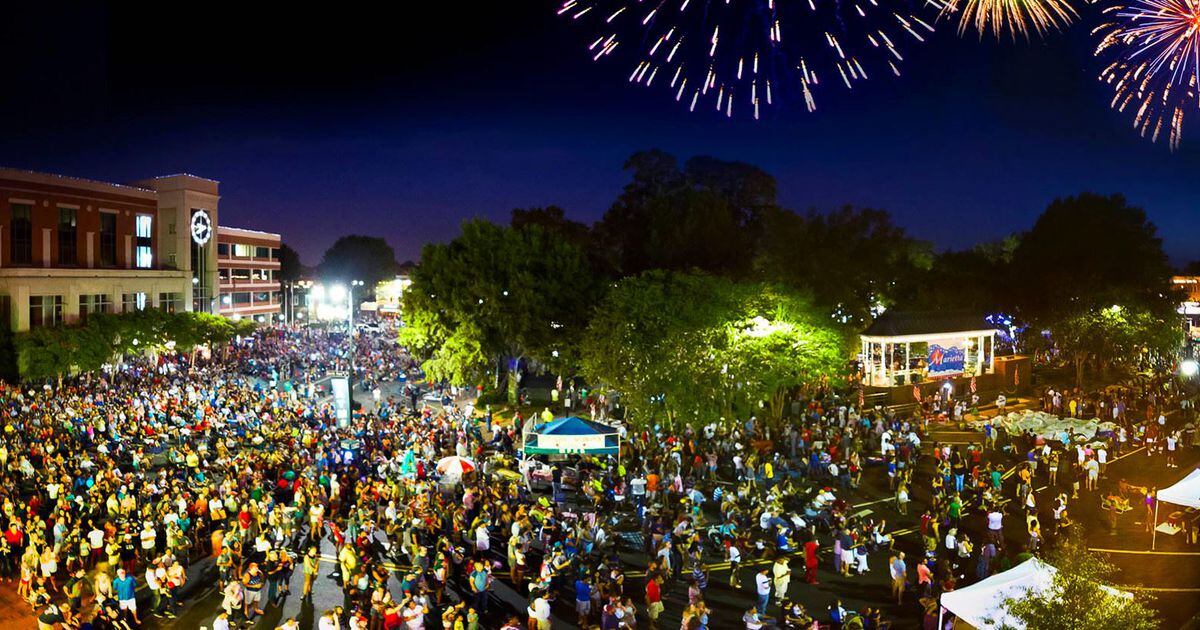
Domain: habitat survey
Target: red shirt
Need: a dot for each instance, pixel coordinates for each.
(810, 553)
(652, 593)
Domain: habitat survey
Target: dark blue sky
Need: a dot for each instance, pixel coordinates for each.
(403, 124)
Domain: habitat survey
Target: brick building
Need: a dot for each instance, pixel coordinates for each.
(71, 246)
(248, 274)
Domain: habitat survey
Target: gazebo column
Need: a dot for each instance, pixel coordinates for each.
(908, 362)
(992, 354)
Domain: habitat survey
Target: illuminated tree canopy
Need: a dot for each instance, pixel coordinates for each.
(692, 348)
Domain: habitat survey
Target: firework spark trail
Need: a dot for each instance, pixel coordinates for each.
(753, 51)
(1154, 69)
(1014, 16)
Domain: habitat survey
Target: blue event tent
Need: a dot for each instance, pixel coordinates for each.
(572, 436)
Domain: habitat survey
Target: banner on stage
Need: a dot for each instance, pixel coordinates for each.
(946, 358)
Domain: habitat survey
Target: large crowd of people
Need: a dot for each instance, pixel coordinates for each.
(114, 484)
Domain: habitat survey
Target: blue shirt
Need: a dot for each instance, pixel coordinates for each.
(479, 578)
(583, 591)
(126, 588)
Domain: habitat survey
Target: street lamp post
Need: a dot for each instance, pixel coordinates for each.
(350, 335)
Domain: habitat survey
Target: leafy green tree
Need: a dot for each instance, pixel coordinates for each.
(45, 352)
(705, 216)
(496, 295)
(977, 278)
(779, 344)
(653, 339)
(1114, 335)
(689, 347)
(852, 260)
(1087, 252)
(356, 257)
(1078, 597)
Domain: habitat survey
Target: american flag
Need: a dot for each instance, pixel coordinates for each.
(1016, 375)
(861, 397)
(974, 387)
(917, 393)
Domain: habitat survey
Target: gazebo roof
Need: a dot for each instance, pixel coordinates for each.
(909, 323)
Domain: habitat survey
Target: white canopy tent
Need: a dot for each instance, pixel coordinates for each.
(1185, 492)
(981, 604)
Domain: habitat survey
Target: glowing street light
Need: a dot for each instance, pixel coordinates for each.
(337, 293)
(1189, 368)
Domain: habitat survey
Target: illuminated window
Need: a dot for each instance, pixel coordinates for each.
(144, 255)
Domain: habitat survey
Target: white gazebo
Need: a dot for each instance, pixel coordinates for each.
(903, 348)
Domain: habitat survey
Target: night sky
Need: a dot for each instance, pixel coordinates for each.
(320, 121)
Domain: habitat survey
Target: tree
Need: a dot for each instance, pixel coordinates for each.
(1079, 597)
(1087, 252)
(290, 267)
(553, 220)
(977, 278)
(53, 352)
(852, 260)
(684, 347)
(497, 295)
(780, 342)
(1093, 272)
(705, 216)
(366, 258)
(1114, 334)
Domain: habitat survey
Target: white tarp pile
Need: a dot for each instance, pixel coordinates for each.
(1046, 425)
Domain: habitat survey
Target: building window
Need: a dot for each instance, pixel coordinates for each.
(277, 297)
(133, 302)
(243, 251)
(108, 239)
(262, 252)
(67, 244)
(45, 310)
(223, 249)
(92, 304)
(241, 298)
(143, 227)
(20, 234)
(223, 274)
(274, 253)
(262, 298)
(170, 302)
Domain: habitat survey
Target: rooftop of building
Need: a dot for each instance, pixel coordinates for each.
(903, 323)
(237, 231)
(82, 183)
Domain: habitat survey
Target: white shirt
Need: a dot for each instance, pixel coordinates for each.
(540, 609)
(762, 583)
(995, 521)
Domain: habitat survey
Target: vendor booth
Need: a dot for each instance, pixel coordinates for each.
(981, 605)
(571, 436)
(1185, 493)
